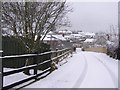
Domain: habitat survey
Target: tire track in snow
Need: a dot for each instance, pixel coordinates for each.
(83, 74)
(113, 77)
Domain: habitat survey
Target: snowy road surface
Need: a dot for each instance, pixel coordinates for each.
(83, 70)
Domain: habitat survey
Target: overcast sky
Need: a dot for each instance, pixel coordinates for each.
(93, 16)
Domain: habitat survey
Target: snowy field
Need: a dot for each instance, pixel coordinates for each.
(82, 70)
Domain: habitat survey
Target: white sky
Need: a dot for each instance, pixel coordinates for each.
(93, 16)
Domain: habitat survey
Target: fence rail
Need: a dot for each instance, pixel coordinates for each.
(56, 56)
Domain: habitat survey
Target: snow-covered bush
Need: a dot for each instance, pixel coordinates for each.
(112, 48)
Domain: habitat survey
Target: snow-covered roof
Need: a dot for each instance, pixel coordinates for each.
(69, 31)
(78, 35)
(82, 33)
(89, 40)
(86, 34)
(54, 37)
(89, 34)
(67, 36)
(109, 42)
(51, 33)
(65, 31)
(60, 37)
(49, 38)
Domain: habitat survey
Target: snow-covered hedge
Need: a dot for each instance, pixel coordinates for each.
(112, 49)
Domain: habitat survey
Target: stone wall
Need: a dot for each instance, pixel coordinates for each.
(96, 49)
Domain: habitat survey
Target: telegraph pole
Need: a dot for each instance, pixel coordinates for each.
(118, 53)
(1, 67)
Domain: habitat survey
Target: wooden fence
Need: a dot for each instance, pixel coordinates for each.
(56, 56)
(13, 46)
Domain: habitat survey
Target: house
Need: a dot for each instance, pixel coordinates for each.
(89, 35)
(95, 43)
(51, 41)
(64, 32)
(88, 43)
(55, 40)
(101, 40)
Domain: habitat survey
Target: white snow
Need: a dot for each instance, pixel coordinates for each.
(87, 33)
(1, 51)
(54, 37)
(89, 40)
(59, 37)
(109, 42)
(15, 77)
(49, 38)
(50, 33)
(82, 70)
(36, 37)
(65, 31)
(99, 73)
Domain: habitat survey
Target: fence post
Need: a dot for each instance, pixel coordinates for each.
(54, 62)
(1, 72)
(57, 53)
(36, 62)
(52, 56)
(65, 53)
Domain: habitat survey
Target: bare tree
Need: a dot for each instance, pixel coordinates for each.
(112, 36)
(31, 21)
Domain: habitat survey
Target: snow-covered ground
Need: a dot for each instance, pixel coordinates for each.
(82, 70)
(15, 77)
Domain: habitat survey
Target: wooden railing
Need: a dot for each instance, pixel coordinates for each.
(56, 56)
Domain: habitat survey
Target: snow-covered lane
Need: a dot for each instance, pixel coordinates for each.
(111, 65)
(99, 75)
(83, 70)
